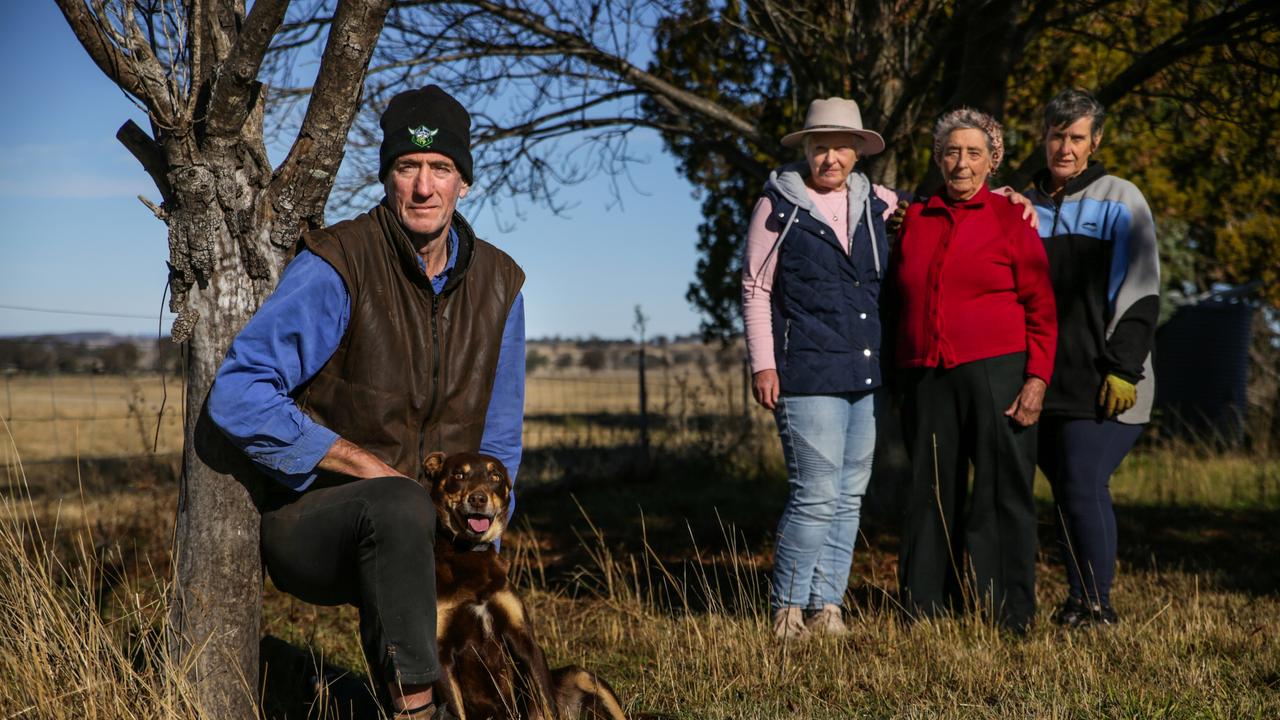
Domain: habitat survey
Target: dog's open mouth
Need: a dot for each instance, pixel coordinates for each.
(479, 524)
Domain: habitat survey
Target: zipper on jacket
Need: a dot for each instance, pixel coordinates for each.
(435, 377)
(786, 337)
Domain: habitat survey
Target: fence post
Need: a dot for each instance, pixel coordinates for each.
(93, 411)
(644, 409)
(641, 321)
(53, 414)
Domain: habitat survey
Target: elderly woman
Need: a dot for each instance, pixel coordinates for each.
(976, 333)
(813, 336)
(1101, 243)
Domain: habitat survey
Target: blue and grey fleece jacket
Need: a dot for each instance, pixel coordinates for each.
(1101, 242)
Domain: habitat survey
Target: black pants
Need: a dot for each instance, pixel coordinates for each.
(368, 543)
(953, 418)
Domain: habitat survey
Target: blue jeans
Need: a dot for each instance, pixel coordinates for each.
(828, 442)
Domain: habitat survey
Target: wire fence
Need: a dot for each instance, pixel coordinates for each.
(53, 415)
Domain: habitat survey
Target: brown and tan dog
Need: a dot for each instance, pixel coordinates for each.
(492, 666)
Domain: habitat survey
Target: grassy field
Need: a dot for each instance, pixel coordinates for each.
(656, 577)
(95, 416)
(86, 415)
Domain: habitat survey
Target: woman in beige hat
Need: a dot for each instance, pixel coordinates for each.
(815, 258)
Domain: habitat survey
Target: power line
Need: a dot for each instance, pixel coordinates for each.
(79, 312)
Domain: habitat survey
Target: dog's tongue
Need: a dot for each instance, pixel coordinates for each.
(478, 524)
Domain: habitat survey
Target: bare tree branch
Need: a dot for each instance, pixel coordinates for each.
(624, 69)
(303, 181)
(120, 67)
(236, 84)
(149, 153)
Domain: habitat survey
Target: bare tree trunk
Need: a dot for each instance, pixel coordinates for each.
(216, 610)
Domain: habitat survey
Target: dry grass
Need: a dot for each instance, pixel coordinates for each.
(65, 652)
(672, 611)
(61, 416)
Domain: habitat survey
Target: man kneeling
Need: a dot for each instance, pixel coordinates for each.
(389, 334)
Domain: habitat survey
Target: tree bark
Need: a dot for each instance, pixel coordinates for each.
(216, 611)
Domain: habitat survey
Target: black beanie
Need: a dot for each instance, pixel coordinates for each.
(425, 120)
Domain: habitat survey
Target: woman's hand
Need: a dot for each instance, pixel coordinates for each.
(764, 387)
(1116, 395)
(1026, 408)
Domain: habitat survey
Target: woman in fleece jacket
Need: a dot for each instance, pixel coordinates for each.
(1101, 243)
(976, 336)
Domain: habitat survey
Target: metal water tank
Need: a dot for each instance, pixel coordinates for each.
(1202, 366)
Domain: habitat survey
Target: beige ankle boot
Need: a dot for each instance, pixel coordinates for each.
(788, 624)
(827, 621)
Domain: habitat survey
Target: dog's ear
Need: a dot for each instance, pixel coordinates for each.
(434, 465)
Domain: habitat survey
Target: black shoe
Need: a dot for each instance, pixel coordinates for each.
(1072, 613)
(1104, 615)
(430, 711)
(1016, 629)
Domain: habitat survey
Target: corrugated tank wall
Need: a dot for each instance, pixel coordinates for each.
(1202, 368)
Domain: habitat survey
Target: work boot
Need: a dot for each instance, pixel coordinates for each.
(1072, 613)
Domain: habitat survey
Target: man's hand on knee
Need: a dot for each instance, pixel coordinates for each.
(347, 458)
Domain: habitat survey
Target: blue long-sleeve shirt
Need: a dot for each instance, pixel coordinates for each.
(292, 336)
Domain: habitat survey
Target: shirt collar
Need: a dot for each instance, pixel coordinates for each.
(940, 199)
(452, 249)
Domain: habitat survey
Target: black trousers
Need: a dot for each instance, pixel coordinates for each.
(953, 418)
(368, 543)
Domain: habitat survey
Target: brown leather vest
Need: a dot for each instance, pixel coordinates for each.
(414, 371)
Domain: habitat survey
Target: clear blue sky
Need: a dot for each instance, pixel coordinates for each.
(73, 235)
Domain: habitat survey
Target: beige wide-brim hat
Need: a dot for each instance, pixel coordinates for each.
(837, 115)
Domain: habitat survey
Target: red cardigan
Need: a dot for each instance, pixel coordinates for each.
(972, 283)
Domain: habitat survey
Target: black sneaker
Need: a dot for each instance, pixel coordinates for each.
(1072, 613)
(1103, 614)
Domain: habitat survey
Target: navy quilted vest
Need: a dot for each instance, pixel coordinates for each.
(826, 317)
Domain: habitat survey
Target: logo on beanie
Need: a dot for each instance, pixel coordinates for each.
(423, 136)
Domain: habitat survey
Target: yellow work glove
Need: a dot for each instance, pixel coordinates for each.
(1116, 395)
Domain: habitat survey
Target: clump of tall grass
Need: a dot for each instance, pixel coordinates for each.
(60, 657)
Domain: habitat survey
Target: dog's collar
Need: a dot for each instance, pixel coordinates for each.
(463, 545)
